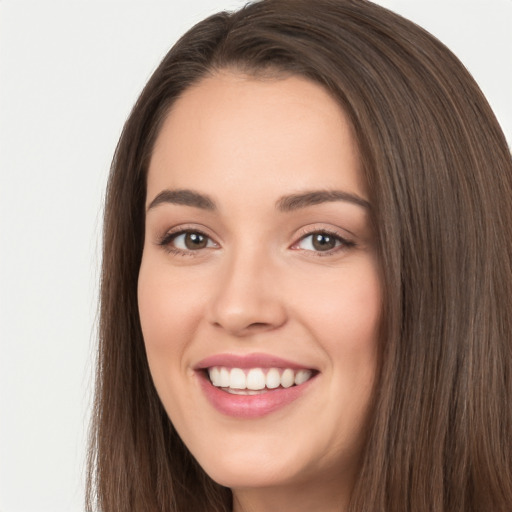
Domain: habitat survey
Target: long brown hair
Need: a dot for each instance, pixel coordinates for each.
(439, 174)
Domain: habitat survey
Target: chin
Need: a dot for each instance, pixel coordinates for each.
(258, 463)
(245, 474)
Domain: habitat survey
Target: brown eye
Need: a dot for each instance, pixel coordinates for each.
(189, 241)
(323, 241)
(195, 241)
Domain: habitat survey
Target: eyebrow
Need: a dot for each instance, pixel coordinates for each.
(286, 203)
(303, 200)
(183, 197)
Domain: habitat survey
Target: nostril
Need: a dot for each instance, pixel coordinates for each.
(255, 326)
(258, 325)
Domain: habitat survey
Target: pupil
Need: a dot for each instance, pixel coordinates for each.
(323, 242)
(195, 241)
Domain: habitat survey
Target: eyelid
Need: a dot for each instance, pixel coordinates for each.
(169, 235)
(345, 242)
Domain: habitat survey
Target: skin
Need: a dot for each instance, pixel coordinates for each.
(259, 285)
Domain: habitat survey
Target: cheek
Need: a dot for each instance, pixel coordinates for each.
(344, 314)
(344, 308)
(169, 314)
(169, 310)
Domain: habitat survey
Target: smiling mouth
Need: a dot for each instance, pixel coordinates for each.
(254, 381)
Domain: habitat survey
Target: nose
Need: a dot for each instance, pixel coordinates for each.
(247, 298)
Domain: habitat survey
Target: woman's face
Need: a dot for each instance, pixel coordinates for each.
(259, 269)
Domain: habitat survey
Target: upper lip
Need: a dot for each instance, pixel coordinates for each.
(255, 360)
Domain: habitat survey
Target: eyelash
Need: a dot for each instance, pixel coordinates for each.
(343, 243)
(168, 238)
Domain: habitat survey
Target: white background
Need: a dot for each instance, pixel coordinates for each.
(69, 73)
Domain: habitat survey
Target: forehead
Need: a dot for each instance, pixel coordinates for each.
(236, 134)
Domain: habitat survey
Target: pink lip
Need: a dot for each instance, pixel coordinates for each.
(247, 361)
(249, 406)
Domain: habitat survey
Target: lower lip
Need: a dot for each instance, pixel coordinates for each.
(251, 406)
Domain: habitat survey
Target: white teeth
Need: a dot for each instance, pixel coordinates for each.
(302, 376)
(224, 378)
(244, 391)
(239, 381)
(273, 378)
(287, 378)
(215, 376)
(255, 379)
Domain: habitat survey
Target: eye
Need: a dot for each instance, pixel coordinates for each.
(322, 241)
(186, 241)
(191, 241)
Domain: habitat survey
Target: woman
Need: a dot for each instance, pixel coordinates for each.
(306, 275)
